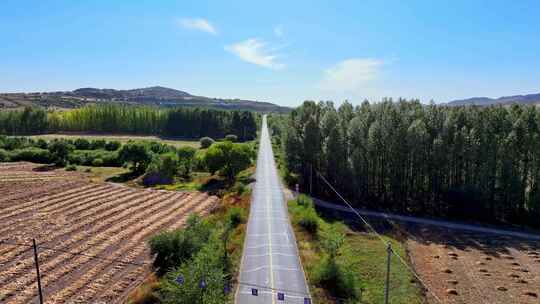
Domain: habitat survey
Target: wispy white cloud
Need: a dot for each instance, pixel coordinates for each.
(255, 51)
(351, 75)
(278, 31)
(198, 24)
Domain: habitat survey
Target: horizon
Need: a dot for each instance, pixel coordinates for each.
(282, 53)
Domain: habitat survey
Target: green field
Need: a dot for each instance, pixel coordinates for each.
(123, 138)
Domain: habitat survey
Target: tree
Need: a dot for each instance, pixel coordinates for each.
(60, 150)
(186, 157)
(228, 158)
(137, 154)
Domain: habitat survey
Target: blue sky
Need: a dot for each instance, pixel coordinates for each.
(278, 51)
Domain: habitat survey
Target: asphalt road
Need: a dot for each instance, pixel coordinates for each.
(270, 261)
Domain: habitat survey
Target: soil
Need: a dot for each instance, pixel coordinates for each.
(91, 236)
(462, 267)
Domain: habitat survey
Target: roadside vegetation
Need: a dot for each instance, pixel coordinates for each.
(342, 264)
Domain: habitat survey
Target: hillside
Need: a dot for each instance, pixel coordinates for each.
(485, 101)
(156, 96)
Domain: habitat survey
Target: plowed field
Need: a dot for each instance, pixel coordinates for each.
(91, 237)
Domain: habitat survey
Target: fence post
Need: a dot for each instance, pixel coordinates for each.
(36, 260)
(387, 284)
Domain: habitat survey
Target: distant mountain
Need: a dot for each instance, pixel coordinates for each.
(155, 96)
(485, 101)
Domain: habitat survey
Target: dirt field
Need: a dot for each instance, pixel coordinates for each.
(466, 267)
(91, 235)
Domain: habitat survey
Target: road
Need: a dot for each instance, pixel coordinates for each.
(270, 262)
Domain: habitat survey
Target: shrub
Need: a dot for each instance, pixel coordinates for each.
(35, 155)
(71, 167)
(87, 157)
(81, 144)
(172, 248)
(309, 220)
(235, 216)
(112, 145)
(41, 143)
(206, 142)
(4, 156)
(97, 144)
(228, 158)
(97, 162)
(186, 157)
(136, 154)
(304, 201)
(339, 280)
(231, 138)
(161, 170)
(60, 150)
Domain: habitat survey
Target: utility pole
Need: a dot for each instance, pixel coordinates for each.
(387, 284)
(37, 271)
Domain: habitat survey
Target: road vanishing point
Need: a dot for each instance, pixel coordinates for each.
(271, 271)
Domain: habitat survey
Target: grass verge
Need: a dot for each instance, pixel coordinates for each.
(358, 275)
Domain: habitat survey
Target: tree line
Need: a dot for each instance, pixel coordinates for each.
(474, 163)
(176, 122)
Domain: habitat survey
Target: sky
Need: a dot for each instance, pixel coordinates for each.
(283, 52)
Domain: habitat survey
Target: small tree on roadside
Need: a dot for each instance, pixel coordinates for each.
(136, 154)
(228, 158)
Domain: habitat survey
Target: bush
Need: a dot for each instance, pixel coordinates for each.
(35, 155)
(186, 156)
(228, 158)
(97, 144)
(98, 162)
(235, 216)
(112, 145)
(206, 142)
(87, 157)
(172, 248)
(41, 143)
(81, 144)
(231, 138)
(71, 167)
(137, 154)
(161, 170)
(304, 201)
(4, 156)
(339, 280)
(309, 220)
(60, 150)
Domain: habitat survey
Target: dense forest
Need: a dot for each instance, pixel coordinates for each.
(176, 122)
(475, 163)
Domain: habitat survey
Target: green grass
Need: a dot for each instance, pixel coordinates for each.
(362, 253)
(123, 138)
(101, 174)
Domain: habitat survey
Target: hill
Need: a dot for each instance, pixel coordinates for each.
(485, 101)
(155, 96)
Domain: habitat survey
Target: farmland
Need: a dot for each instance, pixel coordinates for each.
(463, 267)
(91, 236)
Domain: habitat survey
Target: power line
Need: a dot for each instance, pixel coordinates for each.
(380, 237)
